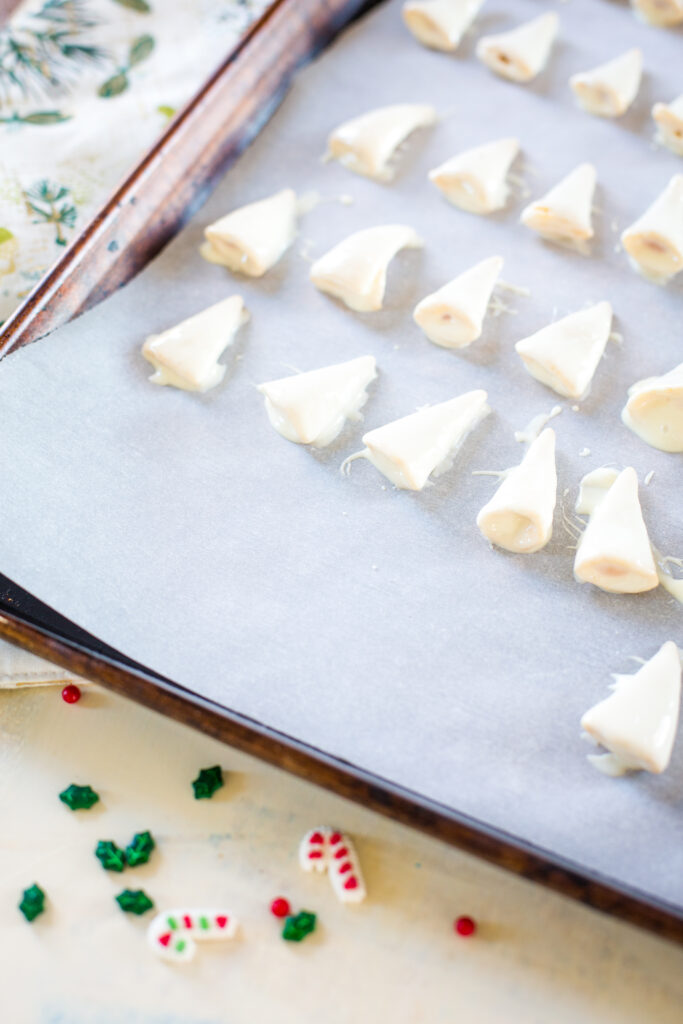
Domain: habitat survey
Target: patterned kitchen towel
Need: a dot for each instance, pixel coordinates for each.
(85, 88)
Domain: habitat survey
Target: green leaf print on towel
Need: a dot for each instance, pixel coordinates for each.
(140, 49)
(52, 205)
(141, 6)
(46, 49)
(38, 117)
(8, 250)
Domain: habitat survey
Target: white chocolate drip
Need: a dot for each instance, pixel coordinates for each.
(671, 584)
(536, 424)
(593, 487)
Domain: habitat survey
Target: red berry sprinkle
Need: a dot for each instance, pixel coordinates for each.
(71, 694)
(465, 926)
(280, 907)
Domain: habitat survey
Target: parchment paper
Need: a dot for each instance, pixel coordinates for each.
(377, 624)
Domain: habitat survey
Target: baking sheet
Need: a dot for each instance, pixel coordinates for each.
(377, 624)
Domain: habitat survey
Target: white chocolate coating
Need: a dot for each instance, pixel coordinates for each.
(655, 241)
(476, 180)
(408, 451)
(252, 239)
(654, 410)
(186, 356)
(614, 552)
(440, 24)
(610, 89)
(367, 144)
(669, 120)
(312, 408)
(637, 723)
(355, 270)
(519, 516)
(663, 13)
(523, 52)
(173, 934)
(453, 316)
(564, 214)
(593, 487)
(565, 354)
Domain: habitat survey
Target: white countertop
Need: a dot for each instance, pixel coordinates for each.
(536, 958)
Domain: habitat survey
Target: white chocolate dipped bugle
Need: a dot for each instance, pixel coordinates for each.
(440, 24)
(610, 89)
(186, 356)
(637, 723)
(476, 180)
(453, 316)
(654, 410)
(312, 407)
(655, 241)
(565, 213)
(355, 270)
(523, 52)
(614, 552)
(565, 355)
(519, 516)
(251, 239)
(410, 450)
(368, 144)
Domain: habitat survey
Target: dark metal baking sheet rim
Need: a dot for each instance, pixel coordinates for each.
(144, 213)
(88, 658)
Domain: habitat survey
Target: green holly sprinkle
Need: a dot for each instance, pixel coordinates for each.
(298, 927)
(207, 782)
(32, 902)
(139, 849)
(166, 111)
(134, 901)
(79, 798)
(110, 856)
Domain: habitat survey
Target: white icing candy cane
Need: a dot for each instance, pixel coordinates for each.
(325, 849)
(174, 933)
